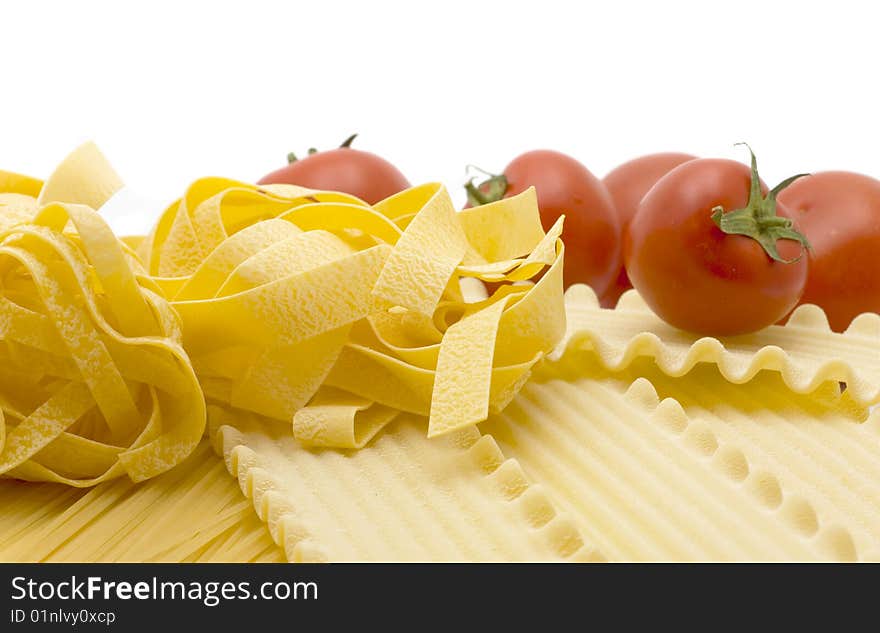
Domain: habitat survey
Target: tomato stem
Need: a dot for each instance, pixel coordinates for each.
(758, 219)
(490, 190)
(469, 168)
(292, 158)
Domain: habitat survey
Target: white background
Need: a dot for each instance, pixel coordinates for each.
(174, 91)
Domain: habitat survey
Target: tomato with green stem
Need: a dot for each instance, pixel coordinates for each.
(712, 251)
(353, 171)
(564, 187)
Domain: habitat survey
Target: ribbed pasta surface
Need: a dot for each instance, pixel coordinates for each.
(402, 498)
(748, 472)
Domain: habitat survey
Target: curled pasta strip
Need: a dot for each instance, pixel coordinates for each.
(18, 198)
(318, 308)
(94, 382)
(83, 177)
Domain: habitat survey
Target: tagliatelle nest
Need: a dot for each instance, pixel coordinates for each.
(318, 308)
(94, 383)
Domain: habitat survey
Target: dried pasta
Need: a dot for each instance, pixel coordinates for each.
(294, 303)
(805, 350)
(94, 383)
(646, 478)
(403, 497)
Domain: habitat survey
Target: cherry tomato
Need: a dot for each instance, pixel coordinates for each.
(710, 251)
(362, 174)
(840, 214)
(564, 186)
(628, 183)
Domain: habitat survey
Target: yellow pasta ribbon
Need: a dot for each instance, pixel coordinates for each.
(94, 382)
(83, 177)
(18, 198)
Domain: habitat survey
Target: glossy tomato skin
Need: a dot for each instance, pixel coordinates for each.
(363, 174)
(628, 183)
(591, 232)
(840, 214)
(693, 275)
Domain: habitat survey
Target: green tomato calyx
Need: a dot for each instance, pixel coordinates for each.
(758, 219)
(490, 190)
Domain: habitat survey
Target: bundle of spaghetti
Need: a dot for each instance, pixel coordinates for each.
(94, 383)
(316, 308)
(195, 512)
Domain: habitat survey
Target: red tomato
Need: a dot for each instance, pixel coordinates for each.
(840, 213)
(362, 174)
(705, 279)
(628, 184)
(564, 186)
